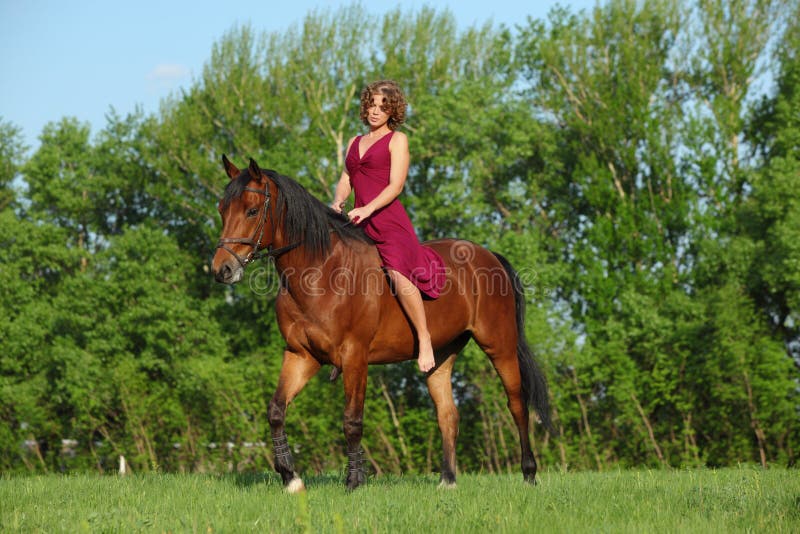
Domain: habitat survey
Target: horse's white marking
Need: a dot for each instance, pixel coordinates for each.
(447, 485)
(295, 485)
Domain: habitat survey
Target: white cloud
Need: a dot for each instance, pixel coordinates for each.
(167, 72)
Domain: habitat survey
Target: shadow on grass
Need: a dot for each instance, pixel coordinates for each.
(330, 480)
(247, 480)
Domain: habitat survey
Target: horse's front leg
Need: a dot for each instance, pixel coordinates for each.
(355, 387)
(296, 371)
(441, 389)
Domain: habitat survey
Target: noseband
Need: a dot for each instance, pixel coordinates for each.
(253, 241)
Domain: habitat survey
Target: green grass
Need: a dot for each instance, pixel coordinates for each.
(727, 500)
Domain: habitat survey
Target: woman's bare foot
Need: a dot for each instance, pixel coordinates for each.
(425, 360)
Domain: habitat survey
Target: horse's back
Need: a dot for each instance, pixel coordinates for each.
(477, 284)
(472, 269)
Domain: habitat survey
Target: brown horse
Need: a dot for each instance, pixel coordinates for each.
(336, 306)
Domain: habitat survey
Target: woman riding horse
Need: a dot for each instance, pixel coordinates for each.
(361, 322)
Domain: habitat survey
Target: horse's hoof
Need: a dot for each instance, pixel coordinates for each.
(447, 485)
(352, 486)
(295, 486)
(354, 481)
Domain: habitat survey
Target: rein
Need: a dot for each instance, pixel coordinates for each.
(255, 254)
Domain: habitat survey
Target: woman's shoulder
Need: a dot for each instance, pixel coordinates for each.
(350, 142)
(398, 139)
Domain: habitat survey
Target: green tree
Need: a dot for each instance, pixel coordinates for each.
(771, 216)
(650, 110)
(12, 151)
(625, 159)
(731, 219)
(59, 180)
(35, 267)
(618, 211)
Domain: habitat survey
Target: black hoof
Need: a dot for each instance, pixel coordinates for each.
(355, 479)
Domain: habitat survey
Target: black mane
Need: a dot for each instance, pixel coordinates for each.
(306, 218)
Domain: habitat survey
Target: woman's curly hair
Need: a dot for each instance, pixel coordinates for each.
(394, 102)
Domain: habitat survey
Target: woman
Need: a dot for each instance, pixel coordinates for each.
(376, 166)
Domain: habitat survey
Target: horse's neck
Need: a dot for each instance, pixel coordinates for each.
(306, 278)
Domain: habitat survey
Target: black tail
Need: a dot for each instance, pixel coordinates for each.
(534, 384)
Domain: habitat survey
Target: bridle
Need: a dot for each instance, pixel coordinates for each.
(253, 241)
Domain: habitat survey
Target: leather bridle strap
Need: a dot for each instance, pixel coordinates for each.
(255, 240)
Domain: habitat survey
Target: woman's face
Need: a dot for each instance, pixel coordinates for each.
(376, 116)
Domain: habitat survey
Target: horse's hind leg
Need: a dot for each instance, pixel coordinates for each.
(296, 371)
(500, 344)
(441, 391)
(355, 388)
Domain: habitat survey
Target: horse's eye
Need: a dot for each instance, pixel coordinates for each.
(252, 212)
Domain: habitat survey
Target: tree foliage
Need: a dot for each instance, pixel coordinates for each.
(631, 161)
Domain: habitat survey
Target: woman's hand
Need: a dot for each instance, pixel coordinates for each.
(359, 215)
(337, 207)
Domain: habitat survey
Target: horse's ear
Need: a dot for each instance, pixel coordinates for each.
(255, 171)
(230, 168)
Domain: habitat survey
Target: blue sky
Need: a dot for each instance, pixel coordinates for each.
(81, 58)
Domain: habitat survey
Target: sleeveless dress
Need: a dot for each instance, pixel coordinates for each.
(390, 226)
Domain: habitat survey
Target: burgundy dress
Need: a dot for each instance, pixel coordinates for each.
(390, 226)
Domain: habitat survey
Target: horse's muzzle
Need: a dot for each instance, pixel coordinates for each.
(228, 274)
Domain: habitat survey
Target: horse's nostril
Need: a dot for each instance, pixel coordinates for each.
(224, 274)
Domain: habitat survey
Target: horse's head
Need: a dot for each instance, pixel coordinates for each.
(247, 221)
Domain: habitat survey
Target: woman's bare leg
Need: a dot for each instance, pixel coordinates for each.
(411, 300)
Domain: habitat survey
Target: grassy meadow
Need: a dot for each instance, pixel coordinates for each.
(726, 500)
